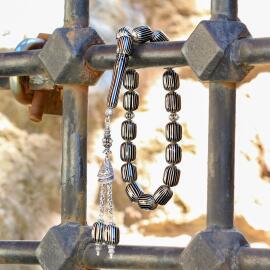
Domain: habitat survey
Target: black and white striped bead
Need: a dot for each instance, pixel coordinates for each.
(162, 195)
(173, 102)
(128, 151)
(131, 79)
(111, 235)
(171, 80)
(129, 172)
(134, 192)
(142, 34)
(173, 153)
(171, 176)
(124, 31)
(124, 45)
(118, 74)
(159, 36)
(131, 101)
(173, 132)
(147, 202)
(128, 130)
(97, 232)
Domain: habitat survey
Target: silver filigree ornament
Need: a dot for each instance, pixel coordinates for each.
(106, 173)
(103, 232)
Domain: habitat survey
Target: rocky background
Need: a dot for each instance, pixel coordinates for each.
(30, 153)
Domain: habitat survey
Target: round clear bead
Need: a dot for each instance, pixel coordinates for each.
(174, 117)
(109, 112)
(107, 142)
(111, 251)
(129, 115)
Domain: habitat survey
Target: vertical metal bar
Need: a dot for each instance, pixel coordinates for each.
(221, 138)
(224, 9)
(76, 13)
(75, 101)
(221, 142)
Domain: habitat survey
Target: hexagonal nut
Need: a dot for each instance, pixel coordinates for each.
(60, 247)
(212, 250)
(206, 46)
(63, 56)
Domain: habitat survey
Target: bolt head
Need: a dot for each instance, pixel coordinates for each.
(206, 50)
(212, 250)
(60, 246)
(63, 56)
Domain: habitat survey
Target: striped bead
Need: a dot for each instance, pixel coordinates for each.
(128, 151)
(124, 31)
(171, 176)
(129, 172)
(147, 202)
(131, 101)
(159, 36)
(133, 191)
(128, 130)
(173, 102)
(118, 75)
(173, 153)
(97, 232)
(124, 45)
(173, 132)
(142, 34)
(131, 79)
(111, 235)
(162, 195)
(171, 80)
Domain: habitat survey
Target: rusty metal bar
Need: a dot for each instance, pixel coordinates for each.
(76, 13)
(253, 259)
(224, 9)
(74, 153)
(18, 252)
(101, 57)
(134, 257)
(159, 54)
(20, 63)
(221, 138)
(221, 142)
(251, 51)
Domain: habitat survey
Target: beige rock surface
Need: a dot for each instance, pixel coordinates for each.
(29, 183)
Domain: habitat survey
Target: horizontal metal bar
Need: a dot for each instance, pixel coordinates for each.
(20, 63)
(18, 252)
(253, 259)
(156, 54)
(251, 51)
(161, 54)
(134, 257)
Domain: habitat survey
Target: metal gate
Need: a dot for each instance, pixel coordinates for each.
(220, 50)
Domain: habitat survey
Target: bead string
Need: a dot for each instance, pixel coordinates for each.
(173, 134)
(108, 234)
